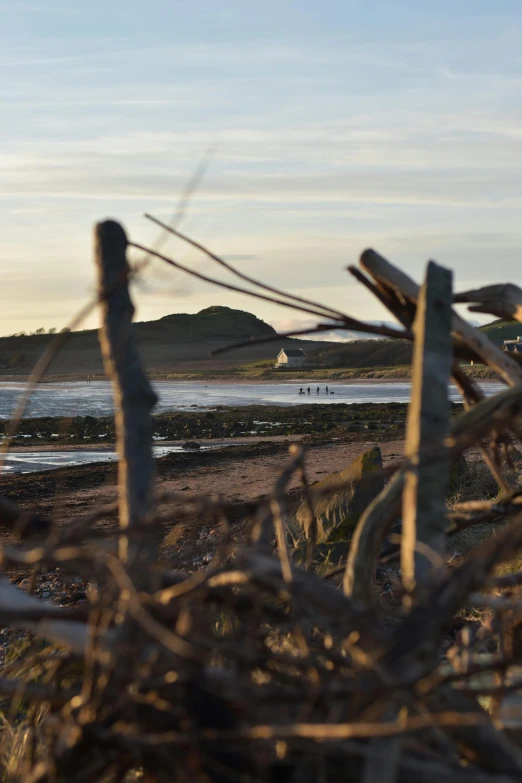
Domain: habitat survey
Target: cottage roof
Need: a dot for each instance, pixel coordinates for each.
(297, 353)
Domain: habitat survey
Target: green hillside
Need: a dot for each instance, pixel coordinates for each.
(499, 330)
(364, 354)
(177, 343)
(186, 343)
(213, 322)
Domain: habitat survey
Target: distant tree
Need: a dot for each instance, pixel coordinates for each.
(41, 330)
(52, 330)
(65, 329)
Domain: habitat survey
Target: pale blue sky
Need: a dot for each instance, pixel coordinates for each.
(337, 125)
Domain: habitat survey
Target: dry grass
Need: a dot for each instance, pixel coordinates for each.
(477, 483)
(474, 483)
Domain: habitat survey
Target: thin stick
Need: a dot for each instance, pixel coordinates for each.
(186, 195)
(47, 358)
(274, 338)
(349, 322)
(329, 311)
(382, 331)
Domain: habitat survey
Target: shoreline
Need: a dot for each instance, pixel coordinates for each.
(346, 376)
(251, 468)
(232, 381)
(109, 447)
(222, 424)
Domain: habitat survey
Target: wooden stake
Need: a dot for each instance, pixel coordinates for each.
(134, 397)
(426, 483)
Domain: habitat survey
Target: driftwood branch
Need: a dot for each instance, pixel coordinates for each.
(367, 540)
(466, 430)
(505, 301)
(384, 272)
(252, 668)
(73, 635)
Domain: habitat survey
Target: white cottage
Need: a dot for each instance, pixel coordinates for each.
(291, 357)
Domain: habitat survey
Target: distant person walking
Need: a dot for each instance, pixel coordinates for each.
(327, 389)
(301, 390)
(318, 388)
(308, 390)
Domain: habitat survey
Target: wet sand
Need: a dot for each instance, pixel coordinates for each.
(245, 471)
(109, 447)
(240, 472)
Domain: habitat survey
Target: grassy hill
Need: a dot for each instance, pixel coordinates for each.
(214, 322)
(184, 343)
(499, 330)
(179, 343)
(364, 354)
(371, 354)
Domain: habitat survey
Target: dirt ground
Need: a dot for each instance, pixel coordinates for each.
(242, 472)
(241, 479)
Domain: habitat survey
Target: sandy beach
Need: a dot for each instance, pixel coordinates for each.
(240, 472)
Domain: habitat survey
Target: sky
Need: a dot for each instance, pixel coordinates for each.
(333, 126)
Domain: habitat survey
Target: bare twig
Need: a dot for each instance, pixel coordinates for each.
(346, 321)
(328, 311)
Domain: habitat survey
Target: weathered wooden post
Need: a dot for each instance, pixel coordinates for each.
(426, 481)
(134, 397)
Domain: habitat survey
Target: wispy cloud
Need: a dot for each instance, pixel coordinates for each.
(336, 129)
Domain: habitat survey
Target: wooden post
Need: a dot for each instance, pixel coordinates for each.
(426, 483)
(134, 397)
